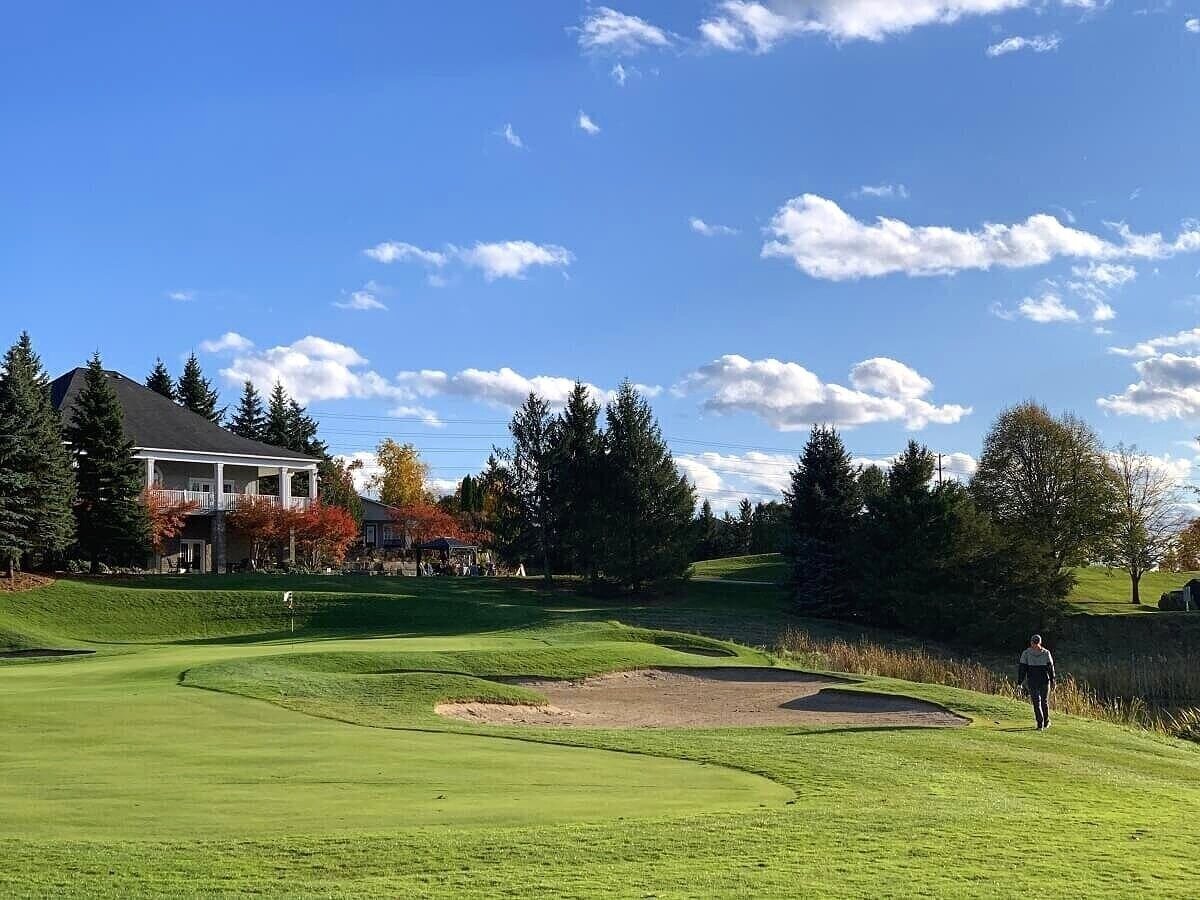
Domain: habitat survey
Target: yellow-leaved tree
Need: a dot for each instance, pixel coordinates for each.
(401, 477)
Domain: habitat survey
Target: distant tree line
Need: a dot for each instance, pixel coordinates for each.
(982, 561)
(572, 496)
(757, 528)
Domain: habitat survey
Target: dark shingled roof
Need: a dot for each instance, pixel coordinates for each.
(374, 511)
(152, 420)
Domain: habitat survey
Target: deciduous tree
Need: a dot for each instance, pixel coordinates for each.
(1151, 515)
(1047, 479)
(401, 477)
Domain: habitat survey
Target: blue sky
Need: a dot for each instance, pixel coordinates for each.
(897, 220)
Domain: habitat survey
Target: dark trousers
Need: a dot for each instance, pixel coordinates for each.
(1039, 693)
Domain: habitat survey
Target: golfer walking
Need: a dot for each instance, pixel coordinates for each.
(1037, 670)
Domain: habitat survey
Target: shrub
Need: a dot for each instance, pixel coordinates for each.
(1172, 601)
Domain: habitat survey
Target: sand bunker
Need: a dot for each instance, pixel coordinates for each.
(703, 698)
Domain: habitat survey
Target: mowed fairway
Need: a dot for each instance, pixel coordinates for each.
(207, 749)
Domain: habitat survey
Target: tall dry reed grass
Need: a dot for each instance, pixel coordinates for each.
(1072, 695)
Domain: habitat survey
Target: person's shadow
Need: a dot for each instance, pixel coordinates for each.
(1020, 728)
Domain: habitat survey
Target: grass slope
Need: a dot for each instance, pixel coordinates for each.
(765, 567)
(120, 776)
(1103, 591)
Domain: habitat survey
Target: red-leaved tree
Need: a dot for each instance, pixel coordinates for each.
(424, 522)
(257, 518)
(166, 517)
(324, 533)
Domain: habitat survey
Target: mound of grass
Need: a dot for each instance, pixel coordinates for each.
(155, 610)
(765, 567)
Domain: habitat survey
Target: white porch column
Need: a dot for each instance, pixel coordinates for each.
(149, 473)
(285, 487)
(219, 484)
(312, 484)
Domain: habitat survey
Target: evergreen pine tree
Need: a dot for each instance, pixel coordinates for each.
(195, 392)
(824, 504)
(648, 504)
(706, 533)
(35, 446)
(577, 459)
(278, 427)
(743, 526)
(14, 484)
(159, 380)
(250, 420)
(530, 463)
(302, 431)
(335, 486)
(112, 522)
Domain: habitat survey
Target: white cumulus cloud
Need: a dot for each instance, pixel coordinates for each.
(1192, 25)
(512, 137)
(504, 387)
(883, 191)
(1154, 346)
(1041, 43)
(312, 368)
(495, 259)
(1047, 308)
(790, 398)
(230, 340)
(1168, 385)
(586, 124)
(606, 30)
(362, 300)
(825, 241)
(759, 26)
(699, 226)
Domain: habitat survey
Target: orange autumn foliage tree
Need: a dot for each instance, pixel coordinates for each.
(166, 517)
(259, 519)
(424, 522)
(324, 533)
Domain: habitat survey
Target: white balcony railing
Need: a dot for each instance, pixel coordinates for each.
(205, 501)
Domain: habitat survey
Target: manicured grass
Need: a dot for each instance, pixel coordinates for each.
(766, 567)
(205, 749)
(1103, 591)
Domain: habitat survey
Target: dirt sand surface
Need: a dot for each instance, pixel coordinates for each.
(703, 698)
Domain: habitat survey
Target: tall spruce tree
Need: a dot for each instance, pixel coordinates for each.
(530, 462)
(250, 420)
(577, 460)
(14, 483)
(743, 527)
(35, 447)
(112, 522)
(277, 429)
(824, 504)
(159, 380)
(195, 392)
(706, 533)
(648, 504)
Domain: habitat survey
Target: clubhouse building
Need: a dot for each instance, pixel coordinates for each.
(188, 458)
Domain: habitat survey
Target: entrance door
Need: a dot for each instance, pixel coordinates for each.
(369, 537)
(191, 555)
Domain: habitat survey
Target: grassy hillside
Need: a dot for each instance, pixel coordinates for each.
(207, 749)
(767, 567)
(1103, 591)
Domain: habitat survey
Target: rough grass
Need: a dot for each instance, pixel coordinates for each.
(118, 780)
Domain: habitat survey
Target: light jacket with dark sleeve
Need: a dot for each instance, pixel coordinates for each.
(1037, 666)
